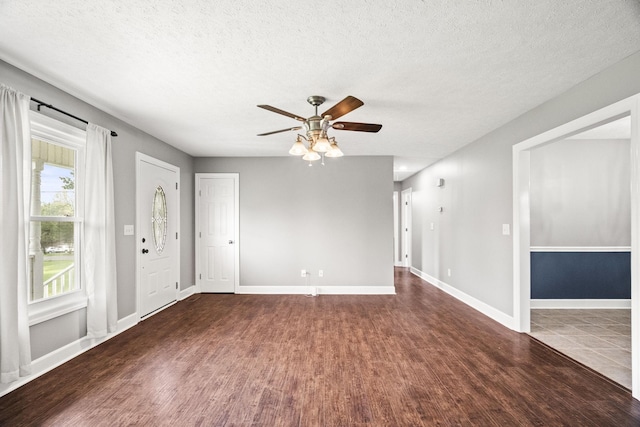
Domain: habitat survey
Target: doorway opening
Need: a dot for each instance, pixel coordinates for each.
(580, 248)
(522, 205)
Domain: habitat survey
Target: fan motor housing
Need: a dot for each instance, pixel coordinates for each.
(316, 100)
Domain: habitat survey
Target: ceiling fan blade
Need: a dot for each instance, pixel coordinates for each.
(281, 130)
(284, 113)
(343, 107)
(360, 127)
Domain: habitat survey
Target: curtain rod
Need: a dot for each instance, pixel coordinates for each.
(40, 104)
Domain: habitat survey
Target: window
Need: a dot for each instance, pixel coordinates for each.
(57, 153)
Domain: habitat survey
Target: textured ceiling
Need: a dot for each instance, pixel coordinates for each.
(436, 74)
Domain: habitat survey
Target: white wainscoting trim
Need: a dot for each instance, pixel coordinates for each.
(186, 293)
(580, 248)
(472, 302)
(321, 290)
(57, 357)
(581, 303)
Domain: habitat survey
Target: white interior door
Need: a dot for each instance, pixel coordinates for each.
(405, 208)
(397, 260)
(217, 229)
(158, 219)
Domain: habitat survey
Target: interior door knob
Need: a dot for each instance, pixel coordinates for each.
(231, 242)
(145, 251)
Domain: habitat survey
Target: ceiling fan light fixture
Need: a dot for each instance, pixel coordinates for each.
(315, 143)
(311, 156)
(298, 148)
(334, 150)
(322, 144)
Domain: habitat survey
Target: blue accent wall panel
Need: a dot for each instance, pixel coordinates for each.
(580, 275)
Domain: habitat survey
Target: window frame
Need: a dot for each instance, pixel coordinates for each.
(46, 129)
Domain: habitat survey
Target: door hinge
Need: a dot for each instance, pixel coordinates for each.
(176, 234)
(176, 285)
(200, 234)
(406, 255)
(176, 185)
(200, 193)
(200, 276)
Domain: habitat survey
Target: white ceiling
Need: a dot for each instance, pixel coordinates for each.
(436, 74)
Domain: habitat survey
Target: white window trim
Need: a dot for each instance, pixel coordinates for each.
(51, 130)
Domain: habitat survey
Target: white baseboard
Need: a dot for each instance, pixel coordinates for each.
(57, 357)
(186, 293)
(472, 302)
(581, 303)
(321, 290)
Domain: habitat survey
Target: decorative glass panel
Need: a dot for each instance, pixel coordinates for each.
(159, 219)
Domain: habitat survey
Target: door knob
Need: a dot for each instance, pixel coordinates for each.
(145, 251)
(231, 242)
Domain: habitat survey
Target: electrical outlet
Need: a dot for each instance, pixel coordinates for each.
(320, 273)
(506, 230)
(449, 272)
(303, 273)
(432, 226)
(128, 230)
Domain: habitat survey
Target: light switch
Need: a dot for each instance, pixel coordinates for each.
(432, 226)
(506, 230)
(128, 230)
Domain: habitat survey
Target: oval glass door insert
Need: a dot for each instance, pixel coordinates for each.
(159, 219)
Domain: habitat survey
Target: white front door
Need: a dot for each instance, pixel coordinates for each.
(158, 219)
(217, 232)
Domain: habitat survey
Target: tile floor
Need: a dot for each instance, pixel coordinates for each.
(600, 339)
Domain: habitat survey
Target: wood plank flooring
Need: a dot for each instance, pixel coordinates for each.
(417, 358)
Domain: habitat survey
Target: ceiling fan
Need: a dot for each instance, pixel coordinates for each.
(316, 127)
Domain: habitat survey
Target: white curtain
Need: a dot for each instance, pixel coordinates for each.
(15, 196)
(98, 242)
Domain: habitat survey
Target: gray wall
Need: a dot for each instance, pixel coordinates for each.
(338, 218)
(129, 141)
(580, 193)
(477, 196)
(580, 197)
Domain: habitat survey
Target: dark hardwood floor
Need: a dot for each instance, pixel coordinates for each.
(417, 358)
